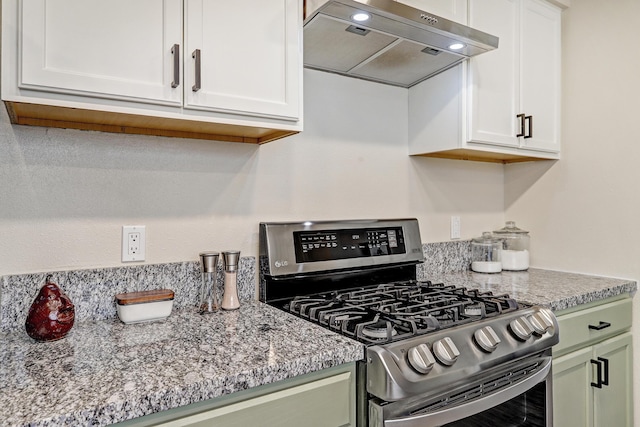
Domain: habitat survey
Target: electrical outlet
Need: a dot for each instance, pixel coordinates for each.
(133, 243)
(455, 227)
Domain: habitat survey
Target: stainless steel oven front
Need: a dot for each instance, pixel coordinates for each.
(517, 394)
(437, 354)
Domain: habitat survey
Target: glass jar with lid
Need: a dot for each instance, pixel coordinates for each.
(515, 247)
(485, 253)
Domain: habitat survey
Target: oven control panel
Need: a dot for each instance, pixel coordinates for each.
(327, 245)
(294, 248)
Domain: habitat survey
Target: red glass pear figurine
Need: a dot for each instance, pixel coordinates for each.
(51, 315)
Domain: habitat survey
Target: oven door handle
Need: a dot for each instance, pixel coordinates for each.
(460, 412)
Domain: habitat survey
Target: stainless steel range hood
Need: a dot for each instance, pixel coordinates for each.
(396, 45)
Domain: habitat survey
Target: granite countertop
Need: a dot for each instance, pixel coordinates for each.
(105, 372)
(554, 289)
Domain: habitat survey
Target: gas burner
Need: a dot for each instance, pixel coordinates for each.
(475, 310)
(379, 331)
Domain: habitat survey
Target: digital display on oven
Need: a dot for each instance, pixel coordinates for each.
(326, 245)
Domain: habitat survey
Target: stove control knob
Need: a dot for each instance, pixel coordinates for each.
(541, 323)
(446, 351)
(421, 359)
(521, 328)
(487, 339)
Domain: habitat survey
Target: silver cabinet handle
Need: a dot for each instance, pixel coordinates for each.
(175, 50)
(196, 55)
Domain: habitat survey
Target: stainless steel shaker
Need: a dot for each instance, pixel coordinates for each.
(230, 259)
(208, 299)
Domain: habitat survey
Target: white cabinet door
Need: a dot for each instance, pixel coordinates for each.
(493, 83)
(240, 72)
(453, 10)
(101, 48)
(540, 74)
(521, 77)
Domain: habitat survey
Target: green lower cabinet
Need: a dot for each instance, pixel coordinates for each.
(593, 380)
(572, 394)
(321, 399)
(613, 404)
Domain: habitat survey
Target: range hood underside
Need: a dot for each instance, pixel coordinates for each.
(396, 51)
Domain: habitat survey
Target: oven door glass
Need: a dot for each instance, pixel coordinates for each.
(526, 410)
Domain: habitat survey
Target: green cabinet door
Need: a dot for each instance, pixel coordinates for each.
(613, 405)
(572, 393)
(577, 402)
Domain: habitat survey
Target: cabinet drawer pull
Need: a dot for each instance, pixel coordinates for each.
(600, 326)
(175, 50)
(196, 55)
(530, 119)
(521, 118)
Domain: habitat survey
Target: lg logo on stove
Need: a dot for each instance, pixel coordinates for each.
(279, 264)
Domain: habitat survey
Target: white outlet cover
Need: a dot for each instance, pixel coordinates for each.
(133, 249)
(455, 227)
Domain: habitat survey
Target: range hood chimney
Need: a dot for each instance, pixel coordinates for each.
(386, 41)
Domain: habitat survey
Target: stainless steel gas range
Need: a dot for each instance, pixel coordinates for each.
(436, 354)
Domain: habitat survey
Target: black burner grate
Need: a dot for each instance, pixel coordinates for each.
(392, 311)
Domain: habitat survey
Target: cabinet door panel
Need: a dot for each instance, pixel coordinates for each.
(250, 56)
(613, 403)
(102, 48)
(493, 76)
(540, 71)
(572, 394)
(320, 403)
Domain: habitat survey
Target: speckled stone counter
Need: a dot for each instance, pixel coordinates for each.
(105, 372)
(553, 289)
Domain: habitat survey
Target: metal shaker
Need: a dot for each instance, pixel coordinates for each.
(208, 299)
(230, 259)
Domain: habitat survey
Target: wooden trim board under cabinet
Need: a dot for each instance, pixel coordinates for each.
(481, 156)
(77, 118)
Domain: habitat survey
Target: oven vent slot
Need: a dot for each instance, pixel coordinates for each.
(482, 388)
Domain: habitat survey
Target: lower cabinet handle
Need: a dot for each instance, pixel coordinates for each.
(530, 119)
(602, 364)
(598, 364)
(605, 362)
(521, 118)
(175, 50)
(196, 55)
(600, 326)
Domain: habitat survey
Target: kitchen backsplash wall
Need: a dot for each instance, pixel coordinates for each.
(444, 257)
(93, 291)
(66, 194)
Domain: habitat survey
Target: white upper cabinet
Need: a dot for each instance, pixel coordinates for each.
(502, 105)
(494, 76)
(110, 49)
(132, 67)
(453, 10)
(540, 76)
(263, 45)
